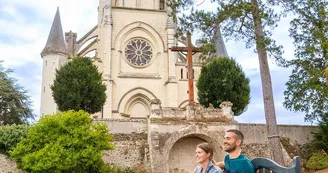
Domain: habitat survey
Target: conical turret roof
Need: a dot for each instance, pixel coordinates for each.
(55, 43)
(221, 50)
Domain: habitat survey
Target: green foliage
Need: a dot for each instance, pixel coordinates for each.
(322, 135)
(64, 142)
(325, 73)
(236, 18)
(306, 89)
(250, 21)
(223, 80)
(318, 161)
(10, 135)
(15, 105)
(78, 86)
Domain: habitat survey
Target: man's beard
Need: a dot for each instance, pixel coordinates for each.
(230, 149)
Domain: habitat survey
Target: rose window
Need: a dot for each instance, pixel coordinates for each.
(138, 52)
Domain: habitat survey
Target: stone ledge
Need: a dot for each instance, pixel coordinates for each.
(139, 75)
(120, 120)
(183, 120)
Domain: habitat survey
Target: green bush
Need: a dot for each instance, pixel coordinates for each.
(10, 135)
(322, 135)
(63, 142)
(318, 161)
(79, 86)
(221, 80)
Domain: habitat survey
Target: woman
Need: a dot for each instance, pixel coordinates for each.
(204, 156)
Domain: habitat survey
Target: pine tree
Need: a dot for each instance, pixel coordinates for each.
(15, 105)
(307, 90)
(252, 22)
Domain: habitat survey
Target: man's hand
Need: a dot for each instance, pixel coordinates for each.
(220, 164)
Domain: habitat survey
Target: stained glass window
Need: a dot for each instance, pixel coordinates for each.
(138, 52)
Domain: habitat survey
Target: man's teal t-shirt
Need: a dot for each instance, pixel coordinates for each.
(241, 164)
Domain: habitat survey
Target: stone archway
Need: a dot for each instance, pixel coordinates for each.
(192, 135)
(182, 155)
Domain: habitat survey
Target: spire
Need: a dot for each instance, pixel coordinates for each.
(56, 42)
(221, 50)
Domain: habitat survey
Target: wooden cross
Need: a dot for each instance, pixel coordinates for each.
(189, 49)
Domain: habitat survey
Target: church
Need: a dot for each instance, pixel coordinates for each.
(147, 107)
(130, 45)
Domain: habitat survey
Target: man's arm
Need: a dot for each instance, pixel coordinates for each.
(220, 164)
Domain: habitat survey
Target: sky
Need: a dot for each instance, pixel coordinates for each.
(25, 25)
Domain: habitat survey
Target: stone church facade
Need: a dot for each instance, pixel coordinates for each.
(131, 47)
(147, 107)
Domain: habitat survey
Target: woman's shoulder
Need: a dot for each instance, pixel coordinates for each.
(215, 169)
(198, 169)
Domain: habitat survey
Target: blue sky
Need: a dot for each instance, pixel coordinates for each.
(25, 25)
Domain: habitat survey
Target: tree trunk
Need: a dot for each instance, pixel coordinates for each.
(270, 114)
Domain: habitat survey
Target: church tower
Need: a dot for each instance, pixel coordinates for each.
(54, 55)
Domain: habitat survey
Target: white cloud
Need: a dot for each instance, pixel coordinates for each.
(24, 32)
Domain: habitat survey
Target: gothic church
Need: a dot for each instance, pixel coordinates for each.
(131, 47)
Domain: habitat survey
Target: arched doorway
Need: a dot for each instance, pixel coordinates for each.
(182, 154)
(138, 106)
(136, 103)
(209, 133)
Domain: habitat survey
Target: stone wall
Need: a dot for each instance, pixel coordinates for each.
(256, 141)
(130, 140)
(8, 166)
(131, 150)
(257, 133)
(139, 142)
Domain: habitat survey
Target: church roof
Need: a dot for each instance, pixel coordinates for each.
(55, 42)
(221, 50)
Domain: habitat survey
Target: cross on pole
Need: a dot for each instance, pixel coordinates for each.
(189, 49)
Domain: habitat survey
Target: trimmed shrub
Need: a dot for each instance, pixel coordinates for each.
(63, 142)
(223, 79)
(10, 135)
(78, 86)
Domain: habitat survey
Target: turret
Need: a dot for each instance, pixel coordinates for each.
(54, 55)
(221, 50)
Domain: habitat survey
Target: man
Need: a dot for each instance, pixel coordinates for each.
(235, 161)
